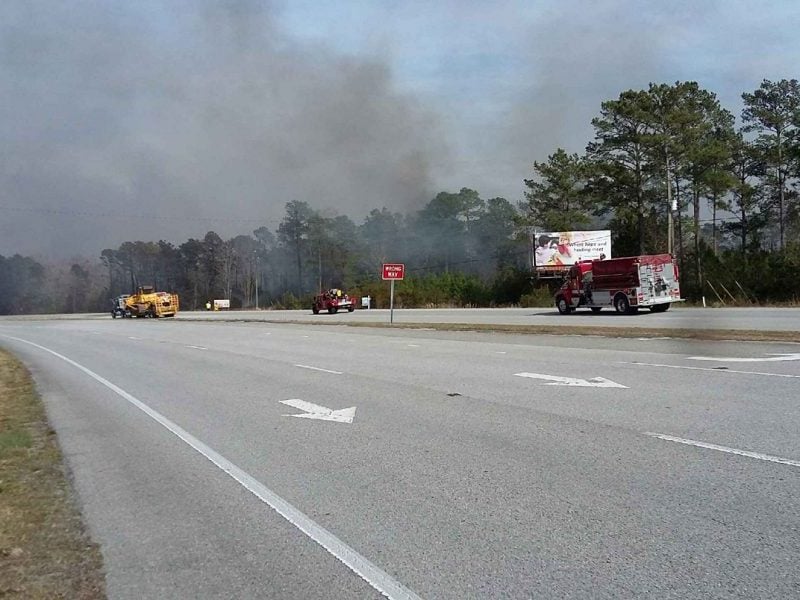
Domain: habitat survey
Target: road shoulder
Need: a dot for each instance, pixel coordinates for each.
(45, 550)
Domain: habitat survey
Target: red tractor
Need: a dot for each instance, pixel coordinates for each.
(332, 300)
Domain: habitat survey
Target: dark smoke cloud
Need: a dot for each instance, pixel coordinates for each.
(582, 53)
(187, 111)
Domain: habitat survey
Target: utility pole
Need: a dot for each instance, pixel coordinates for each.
(670, 209)
(256, 278)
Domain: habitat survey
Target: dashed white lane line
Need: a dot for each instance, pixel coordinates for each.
(319, 369)
(758, 455)
(498, 352)
(198, 347)
(644, 364)
(413, 345)
(360, 565)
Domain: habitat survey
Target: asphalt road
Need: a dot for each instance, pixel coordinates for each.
(464, 472)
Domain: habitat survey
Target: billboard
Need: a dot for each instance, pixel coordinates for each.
(554, 250)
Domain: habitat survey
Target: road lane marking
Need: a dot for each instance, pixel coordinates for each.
(644, 364)
(198, 347)
(770, 358)
(319, 369)
(131, 337)
(323, 413)
(758, 455)
(413, 345)
(573, 381)
(360, 565)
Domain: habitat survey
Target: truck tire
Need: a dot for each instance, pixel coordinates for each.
(351, 308)
(563, 306)
(315, 309)
(657, 308)
(113, 314)
(621, 304)
(332, 310)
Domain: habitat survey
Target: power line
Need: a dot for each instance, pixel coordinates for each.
(123, 216)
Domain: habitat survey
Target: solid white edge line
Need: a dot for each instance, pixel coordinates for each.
(369, 572)
(758, 455)
(319, 369)
(644, 364)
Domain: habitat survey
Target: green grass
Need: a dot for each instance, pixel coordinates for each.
(10, 440)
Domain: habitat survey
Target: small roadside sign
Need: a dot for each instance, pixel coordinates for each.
(394, 271)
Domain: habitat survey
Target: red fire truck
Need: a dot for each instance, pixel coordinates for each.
(626, 284)
(332, 300)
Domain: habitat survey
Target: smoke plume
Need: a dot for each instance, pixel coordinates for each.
(148, 120)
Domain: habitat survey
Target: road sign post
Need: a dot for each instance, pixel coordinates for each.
(393, 272)
(391, 302)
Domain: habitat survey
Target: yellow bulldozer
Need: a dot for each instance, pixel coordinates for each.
(146, 302)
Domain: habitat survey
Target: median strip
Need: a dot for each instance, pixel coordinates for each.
(741, 335)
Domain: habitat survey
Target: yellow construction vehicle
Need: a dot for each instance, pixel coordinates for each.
(146, 302)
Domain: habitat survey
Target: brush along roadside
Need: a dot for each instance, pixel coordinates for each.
(45, 551)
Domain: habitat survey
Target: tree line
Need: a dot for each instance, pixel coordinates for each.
(668, 170)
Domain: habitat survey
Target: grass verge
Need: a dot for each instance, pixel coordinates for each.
(45, 552)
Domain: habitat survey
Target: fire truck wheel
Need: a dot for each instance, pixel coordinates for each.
(659, 308)
(333, 310)
(351, 308)
(563, 306)
(621, 304)
(315, 310)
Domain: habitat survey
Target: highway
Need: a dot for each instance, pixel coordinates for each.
(427, 464)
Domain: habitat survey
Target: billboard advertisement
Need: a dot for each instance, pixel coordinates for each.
(555, 250)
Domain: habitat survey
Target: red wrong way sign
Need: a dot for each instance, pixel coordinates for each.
(394, 271)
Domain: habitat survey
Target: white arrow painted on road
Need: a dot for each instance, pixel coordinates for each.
(315, 411)
(768, 358)
(556, 380)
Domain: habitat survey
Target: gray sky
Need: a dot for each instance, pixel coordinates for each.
(147, 120)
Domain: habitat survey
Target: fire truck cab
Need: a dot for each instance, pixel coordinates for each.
(626, 284)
